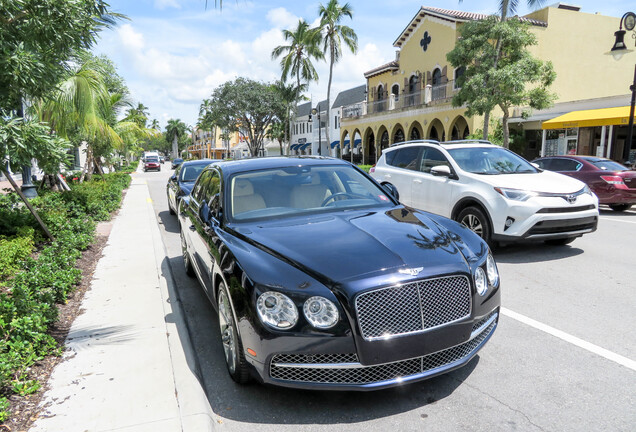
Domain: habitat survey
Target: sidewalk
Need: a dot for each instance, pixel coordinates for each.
(130, 365)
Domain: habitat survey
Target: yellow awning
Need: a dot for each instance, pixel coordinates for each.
(590, 118)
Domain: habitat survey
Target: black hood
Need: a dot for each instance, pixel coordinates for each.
(351, 245)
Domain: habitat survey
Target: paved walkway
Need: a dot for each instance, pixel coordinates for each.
(129, 366)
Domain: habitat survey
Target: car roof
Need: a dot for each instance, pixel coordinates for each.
(445, 144)
(199, 162)
(242, 165)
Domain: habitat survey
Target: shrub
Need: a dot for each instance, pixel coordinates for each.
(34, 285)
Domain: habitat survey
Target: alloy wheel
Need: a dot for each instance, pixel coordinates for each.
(228, 334)
(473, 223)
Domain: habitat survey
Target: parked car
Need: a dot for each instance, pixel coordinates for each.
(180, 183)
(496, 193)
(162, 159)
(176, 162)
(151, 163)
(613, 183)
(323, 280)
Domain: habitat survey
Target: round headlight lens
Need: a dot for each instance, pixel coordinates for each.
(277, 310)
(480, 281)
(320, 312)
(491, 271)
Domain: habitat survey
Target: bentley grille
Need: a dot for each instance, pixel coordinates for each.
(345, 369)
(413, 307)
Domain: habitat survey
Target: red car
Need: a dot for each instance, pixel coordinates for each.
(152, 163)
(613, 183)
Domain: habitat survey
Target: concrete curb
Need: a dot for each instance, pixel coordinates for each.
(196, 413)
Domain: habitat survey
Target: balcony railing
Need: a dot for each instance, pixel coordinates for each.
(431, 95)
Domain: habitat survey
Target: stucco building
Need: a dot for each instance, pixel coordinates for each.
(410, 96)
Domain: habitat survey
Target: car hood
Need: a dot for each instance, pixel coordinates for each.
(545, 181)
(351, 245)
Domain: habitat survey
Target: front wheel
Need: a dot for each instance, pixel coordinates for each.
(187, 263)
(474, 219)
(620, 207)
(232, 345)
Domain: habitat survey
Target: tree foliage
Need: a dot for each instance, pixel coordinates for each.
(38, 37)
(177, 134)
(499, 70)
(248, 107)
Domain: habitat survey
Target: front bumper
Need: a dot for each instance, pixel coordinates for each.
(343, 370)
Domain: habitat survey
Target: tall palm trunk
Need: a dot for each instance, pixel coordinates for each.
(329, 98)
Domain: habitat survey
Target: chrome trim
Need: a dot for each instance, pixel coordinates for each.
(482, 327)
(321, 365)
(561, 234)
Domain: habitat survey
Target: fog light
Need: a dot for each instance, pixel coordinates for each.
(509, 222)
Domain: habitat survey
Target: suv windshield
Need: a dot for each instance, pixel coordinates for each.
(295, 190)
(490, 161)
(152, 159)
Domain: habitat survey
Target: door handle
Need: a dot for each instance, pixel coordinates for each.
(387, 175)
(192, 228)
(417, 181)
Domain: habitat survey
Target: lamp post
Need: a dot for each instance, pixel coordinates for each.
(617, 51)
(315, 111)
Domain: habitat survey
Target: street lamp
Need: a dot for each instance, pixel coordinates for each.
(617, 51)
(315, 111)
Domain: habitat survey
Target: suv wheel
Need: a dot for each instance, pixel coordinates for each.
(474, 219)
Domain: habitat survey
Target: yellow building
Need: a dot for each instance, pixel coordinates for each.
(212, 145)
(410, 97)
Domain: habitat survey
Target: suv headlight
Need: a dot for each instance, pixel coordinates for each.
(516, 194)
(277, 310)
(321, 312)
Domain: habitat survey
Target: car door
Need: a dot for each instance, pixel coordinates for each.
(400, 170)
(433, 193)
(199, 214)
(173, 186)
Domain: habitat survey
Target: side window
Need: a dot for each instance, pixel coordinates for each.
(199, 186)
(407, 158)
(544, 164)
(565, 165)
(432, 157)
(213, 188)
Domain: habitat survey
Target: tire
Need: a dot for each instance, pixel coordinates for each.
(235, 361)
(620, 207)
(560, 242)
(474, 219)
(170, 209)
(187, 261)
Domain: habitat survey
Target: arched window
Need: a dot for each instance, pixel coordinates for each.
(381, 103)
(399, 136)
(415, 134)
(395, 91)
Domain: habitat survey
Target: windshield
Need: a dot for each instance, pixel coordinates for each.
(490, 161)
(191, 172)
(291, 191)
(152, 159)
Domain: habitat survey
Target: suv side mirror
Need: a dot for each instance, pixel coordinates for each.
(441, 171)
(391, 190)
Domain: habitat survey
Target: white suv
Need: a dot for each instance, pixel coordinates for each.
(496, 193)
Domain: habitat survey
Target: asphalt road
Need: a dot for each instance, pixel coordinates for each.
(562, 358)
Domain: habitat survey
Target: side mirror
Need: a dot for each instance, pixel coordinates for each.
(536, 165)
(391, 190)
(173, 177)
(441, 171)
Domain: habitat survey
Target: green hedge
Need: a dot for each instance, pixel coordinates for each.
(33, 284)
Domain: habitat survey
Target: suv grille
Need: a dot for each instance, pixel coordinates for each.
(353, 373)
(413, 307)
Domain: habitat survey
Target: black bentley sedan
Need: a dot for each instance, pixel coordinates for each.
(180, 183)
(323, 280)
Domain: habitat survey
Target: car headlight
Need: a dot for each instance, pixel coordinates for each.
(515, 194)
(277, 310)
(321, 312)
(480, 281)
(491, 271)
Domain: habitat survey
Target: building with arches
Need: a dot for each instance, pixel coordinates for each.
(410, 97)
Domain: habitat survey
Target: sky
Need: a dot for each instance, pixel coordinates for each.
(174, 53)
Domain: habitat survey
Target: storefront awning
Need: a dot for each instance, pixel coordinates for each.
(294, 146)
(335, 143)
(303, 146)
(589, 118)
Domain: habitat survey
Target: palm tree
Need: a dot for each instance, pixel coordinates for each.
(175, 129)
(289, 94)
(138, 115)
(333, 35)
(296, 61)
(154, 124)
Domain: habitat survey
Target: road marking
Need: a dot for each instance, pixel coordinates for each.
(617, 220)
(595, 349)
(149, 200)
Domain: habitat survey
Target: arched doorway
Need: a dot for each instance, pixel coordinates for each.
(369, 150)
(380, 104)
(398, 135)
(459, 128)
(436, 131)
(415, 134)
(384, 141)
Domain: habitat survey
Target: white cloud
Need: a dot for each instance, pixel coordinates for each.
(164, 4)
(281, 18)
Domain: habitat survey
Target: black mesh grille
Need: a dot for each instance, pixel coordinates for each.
(281, 368)
(413, 307)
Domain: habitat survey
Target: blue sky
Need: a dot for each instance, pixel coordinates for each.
(173, 53)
